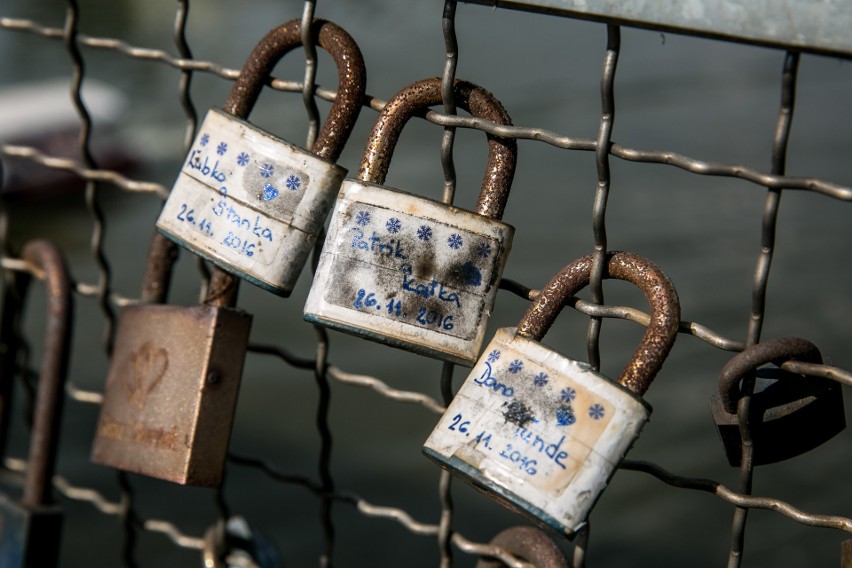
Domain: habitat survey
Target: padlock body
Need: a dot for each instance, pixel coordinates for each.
(790, 414)
(171, 392)
(538, 431)
(29, 537)
(250, 202)
(409, 271)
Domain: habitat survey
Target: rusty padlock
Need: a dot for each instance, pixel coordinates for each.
(789, 414)
(173, 381)
(543, 433)
(527, 543)
(30, 528)
(252, 203)
(406, 270)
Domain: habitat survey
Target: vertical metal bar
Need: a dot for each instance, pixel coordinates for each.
(447, 82)
(129, 520)
(310, 74)
(761, 279)
(602, 190)
(181, 18)
(92, 188)
(773, 195)
(445, 523)
(320, 376)
(326, 479)
(448, 78)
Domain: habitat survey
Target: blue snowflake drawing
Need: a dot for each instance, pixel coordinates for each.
(516, 366)
(266, 170)
(221, 148)
(565, 416)
(362, 218)
(568, 394)
(596, 411)
(393, 225)
(540, 379)
(424, 233)
(484, 250)
(269, 192)
(242, 159)
(293, 183)
(493, 356)
(455, 241)
(205, 138)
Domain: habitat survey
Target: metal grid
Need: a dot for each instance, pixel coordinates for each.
(125, 511)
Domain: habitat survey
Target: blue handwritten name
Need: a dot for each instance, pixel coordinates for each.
(222, 209)
(552, 450)
(409, 284)
(487, 381)
(392, 248)
(194, 163)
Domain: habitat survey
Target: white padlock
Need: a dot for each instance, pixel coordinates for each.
(543, 433)
(248, 201)
(406, 270)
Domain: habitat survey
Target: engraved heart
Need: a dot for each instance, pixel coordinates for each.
(145, 369)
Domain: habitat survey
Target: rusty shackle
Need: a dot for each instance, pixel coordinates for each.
(351, 77)
(648, 277)
(770, 351)
(53, 371)
(417, 98)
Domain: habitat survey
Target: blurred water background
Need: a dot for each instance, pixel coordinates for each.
(702, 98)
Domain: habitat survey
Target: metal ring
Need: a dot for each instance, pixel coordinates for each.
(770, 351)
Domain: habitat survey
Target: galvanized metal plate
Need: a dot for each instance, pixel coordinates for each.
(250, 202)
(821, 26)
(539, 431)
(408, 271)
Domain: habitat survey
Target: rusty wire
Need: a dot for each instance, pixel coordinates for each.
(604, 148)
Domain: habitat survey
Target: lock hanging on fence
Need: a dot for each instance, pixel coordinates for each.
(789, 414)
(540, 432)
(173, 381)
(252, 203)
(406, 270)
(30, 528)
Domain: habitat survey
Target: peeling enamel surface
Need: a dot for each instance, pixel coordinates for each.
(250, 202)
(538, 431)
(409, 271)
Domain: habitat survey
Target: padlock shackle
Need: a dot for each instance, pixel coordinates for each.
(655, 285)
(162, 254)
(351, 77)
(770, 351)
(416, 99)
(529, 543)
(50, 396)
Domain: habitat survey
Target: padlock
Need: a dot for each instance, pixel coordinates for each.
(540, 432)
(406, 270)
(252, 203)
(530, 544)
(789, 414)
(30, 528)
(234, 543)
(173, 380)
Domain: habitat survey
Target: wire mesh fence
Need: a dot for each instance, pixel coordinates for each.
(325, 455)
